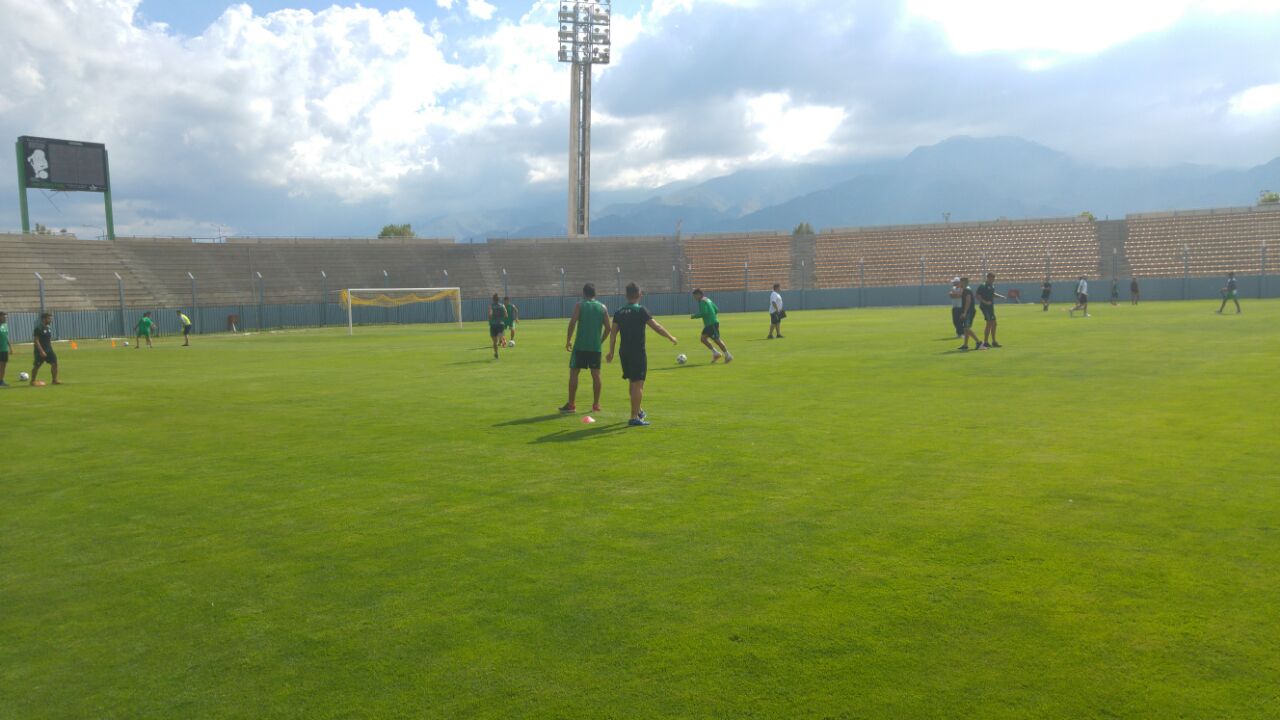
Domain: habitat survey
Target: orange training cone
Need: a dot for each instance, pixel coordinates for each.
(113, 343)
(74, 346)
(587, 419)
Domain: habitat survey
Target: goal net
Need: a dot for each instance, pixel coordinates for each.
(403, 305)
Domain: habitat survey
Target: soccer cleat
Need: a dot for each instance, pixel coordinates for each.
(769, 337)
(996, 345)
(984, 346)
(595, 408)
(3, 384)
(728, 358)
(567, 409)
(643, 414)
(638, 422)
(963, 348)
(715, 358)
(779, 336)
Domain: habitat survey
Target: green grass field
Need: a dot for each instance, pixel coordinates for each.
(853, 522)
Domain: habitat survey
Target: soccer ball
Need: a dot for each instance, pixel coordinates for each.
(511, 343)
(126, 343)
(681, 359)
(23, 377)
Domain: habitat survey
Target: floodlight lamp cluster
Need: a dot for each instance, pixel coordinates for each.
(585, 31)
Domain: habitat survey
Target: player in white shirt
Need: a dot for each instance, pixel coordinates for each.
(776, 313)
(1082, 298)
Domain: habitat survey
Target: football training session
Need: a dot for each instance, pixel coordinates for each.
(836, 403)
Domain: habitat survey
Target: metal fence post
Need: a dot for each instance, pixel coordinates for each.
(746, 284)
(618, 270)
(1262, 276)
(324, 296)
(120, 287)
(195, 305)
(505, 291)
(1186, 268)
(804, 277)
(862, 282)
(921, 279)
(40, 282)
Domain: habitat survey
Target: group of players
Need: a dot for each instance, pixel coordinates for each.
(590, 324)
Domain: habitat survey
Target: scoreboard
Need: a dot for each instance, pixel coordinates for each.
(64, 164)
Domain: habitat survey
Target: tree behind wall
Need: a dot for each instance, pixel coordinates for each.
(405, 230)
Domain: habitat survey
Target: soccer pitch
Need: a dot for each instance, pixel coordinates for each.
(851, 522)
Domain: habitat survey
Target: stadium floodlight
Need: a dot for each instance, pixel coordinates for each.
(399, 297)
(585, 40)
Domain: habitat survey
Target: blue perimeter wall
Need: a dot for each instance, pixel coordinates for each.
(89, 324)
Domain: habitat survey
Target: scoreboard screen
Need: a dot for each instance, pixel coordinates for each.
(65, 164)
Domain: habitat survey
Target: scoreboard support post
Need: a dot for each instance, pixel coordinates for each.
(106, 197)
(22, 189)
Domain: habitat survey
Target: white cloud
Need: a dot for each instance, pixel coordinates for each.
(480, 9)
(791, 132)
(446, 4)
(1258, 101)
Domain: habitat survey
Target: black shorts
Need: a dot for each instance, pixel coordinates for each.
(989, 313)
(4, 357)
(635, 366)
(1044, 296)
(711, 331)
(776, 318)
(495, 330)
(968, 320)
(186, 330)
(50, 358)
(1082, 298)
(584, 360)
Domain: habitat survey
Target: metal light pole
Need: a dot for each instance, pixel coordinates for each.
(921, 279)
(618, 275)
(386, 283)
(561, 292)
(1262, 279)
(40, 282)
(120, 287)
(262, 298)
(803, 280)
(446, 284)
(1115, 256)
(746, 284)
(505, 292)
(585, 40)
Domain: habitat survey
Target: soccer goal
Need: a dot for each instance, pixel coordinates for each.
(405, 301)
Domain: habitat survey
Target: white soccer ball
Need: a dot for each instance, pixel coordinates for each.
(23, 377)
(126, 343)
(511, 343)
(681, 359)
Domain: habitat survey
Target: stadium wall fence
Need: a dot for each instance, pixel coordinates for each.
(101, 324)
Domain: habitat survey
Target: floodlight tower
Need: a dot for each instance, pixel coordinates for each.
(584, 41)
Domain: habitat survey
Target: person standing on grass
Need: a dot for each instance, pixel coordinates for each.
(710, 315)
(144, 330)
(43, 341)
(186, 328)
(1230, 292)
(1045, 291)
(775, 312)
(967, 312)
(513, 314)
(957, 306)
(497, 323)
(1133, 290)
(1082, 298)
(630, 322)
(4, 346)
(1115, 291)
(987, 301)
(591, 321)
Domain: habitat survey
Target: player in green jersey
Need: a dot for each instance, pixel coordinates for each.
(591, 322)
(1230, 293)
(513, 314)
(144, 330)
(710, 315)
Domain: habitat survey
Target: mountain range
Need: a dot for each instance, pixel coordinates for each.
(963, 178)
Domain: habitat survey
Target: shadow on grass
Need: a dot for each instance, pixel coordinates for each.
(686, 366)
(472, 362)
(596, 430)
(532, 420)
(953, 338)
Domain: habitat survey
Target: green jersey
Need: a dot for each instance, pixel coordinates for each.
(591, 315)
(511, 314)
(708, 311)
(144, 326)
(4, 337)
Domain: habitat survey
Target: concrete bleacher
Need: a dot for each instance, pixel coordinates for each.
(533, 264)
(1214, 241)
(728, 261)
(1014, 250)
(78, 274)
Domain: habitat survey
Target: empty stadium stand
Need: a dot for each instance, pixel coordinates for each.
(726, 261)
(1014, 250)
(1215, 241)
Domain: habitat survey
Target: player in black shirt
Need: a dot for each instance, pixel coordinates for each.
(630, 322)
(968, 310)
(43, 340)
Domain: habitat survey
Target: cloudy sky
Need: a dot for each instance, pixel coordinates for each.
(292, 117)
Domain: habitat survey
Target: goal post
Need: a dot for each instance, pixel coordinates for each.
(399, 297)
